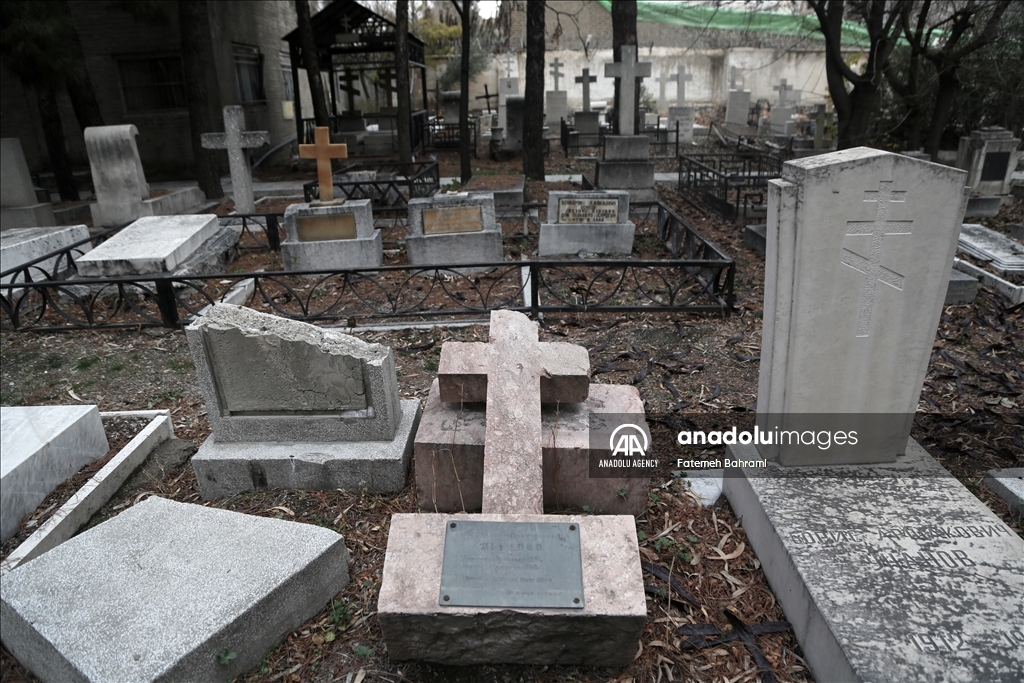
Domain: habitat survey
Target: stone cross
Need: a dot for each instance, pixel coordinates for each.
(663, 80)
(783, 89)
(628, 71)
(487, 96)
(323, 151)
(872, 266)
(681, 79)
(556, 71)
(514, 373)
(508, 64)
(384, 80)
(235, 139)
(345, 85)
(586, 79)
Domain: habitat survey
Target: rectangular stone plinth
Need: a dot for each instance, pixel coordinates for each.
(564, 239)
(331, 236)
(449, 455)
(604, 633)
(339, 254)
(226, 468)
(625, 175)
(164, 591)
(454, 249)
(153, 244)
(40, 447)
(890, 572)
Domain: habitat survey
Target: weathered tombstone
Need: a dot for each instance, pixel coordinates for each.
(453, 229)
(23, 245)
(590, 222)
(737, 108)
(586, 79)
(189, 244)
(450, 103)
(183, 592)
(587, 122)
(989, 156)
(663, 80)
(781, 120)
(684, 115)
(19, 206)
(785, 92)
(557, 103)
(514, 106)
(571, 589)
(235, 140)
(823, 121)
(296, 406)
(506, 86)
(627, 71)
(859, 247)
(40, 448)
(626, 166)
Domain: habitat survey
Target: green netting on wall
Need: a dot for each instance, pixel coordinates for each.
(705, 17)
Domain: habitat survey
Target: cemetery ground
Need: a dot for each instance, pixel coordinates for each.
(685, 366)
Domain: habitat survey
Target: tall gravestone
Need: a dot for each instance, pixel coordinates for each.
(236, 140)
(887, 567)
(557, 103)
(626, 161)
(19, 207)
(451, 101)
(512, 584)
(684, 116)
(737, 108)
(681, 78)
(506, 86)
(515, 106)
(989, 156)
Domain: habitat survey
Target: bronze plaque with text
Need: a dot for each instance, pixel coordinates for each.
(335, 226)
(452, 219)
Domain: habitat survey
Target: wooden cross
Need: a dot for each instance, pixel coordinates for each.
(486, 96)
(783, 89)
(681, 79)
(628, 72)
(323, 151)
(555, 71)
(384, 79)
(345, 85)
(586, 79)
(514, 374)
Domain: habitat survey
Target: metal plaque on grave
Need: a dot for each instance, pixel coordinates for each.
(452, 219)
(588, 210)
(321, 228)
(512, 564)
(995, 166)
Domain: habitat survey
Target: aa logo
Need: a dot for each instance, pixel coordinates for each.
(626, 441)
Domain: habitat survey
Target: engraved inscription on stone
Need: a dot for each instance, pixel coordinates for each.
(512, 564)
(338, 226)
(287, 373)
(447, 220)
(588, 210)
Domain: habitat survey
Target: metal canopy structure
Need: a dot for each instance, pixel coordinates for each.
(350, 36)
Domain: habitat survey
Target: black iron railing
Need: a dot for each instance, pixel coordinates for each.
(571, 139)
(417, 120)
(731, 185)
(446, 135)
(388, 185)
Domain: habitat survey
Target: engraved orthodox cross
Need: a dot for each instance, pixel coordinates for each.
(556, 71)
(586, 79)
(323, 151)
(628, 71)
(871, 266)
(514, 373)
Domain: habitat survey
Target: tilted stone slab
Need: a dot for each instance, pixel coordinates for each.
(999, 251)
(266, 378)
(163, 590)
(604, 633)
(891, 572)
(40, 448)
(153, 244)
(22, 245)
(449, 455)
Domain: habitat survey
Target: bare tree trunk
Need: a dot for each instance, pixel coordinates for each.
(311, 64)
(533, 105)
(53, 132)
(197, 61)
(79, 84)
(949, 85)
(466, 15)
(624, 33)
(404, 121)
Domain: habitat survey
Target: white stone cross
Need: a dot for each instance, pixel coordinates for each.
(783, 89)
(586, 79)
(628, 71)
(508, 64)
(235, 139)
(514, 373)
(663, 80)
(555, 71)
(681, 79)
(872, 266)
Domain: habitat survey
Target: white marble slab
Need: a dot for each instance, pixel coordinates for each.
(153, 244)
(1002, 253)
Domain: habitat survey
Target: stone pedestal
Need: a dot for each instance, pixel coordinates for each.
(331, 236)
(684, 115)
(557, 106)
(587, 122)
(589, 222)
(449, 230)
(990, 157)
(737, 108)
(625, 166)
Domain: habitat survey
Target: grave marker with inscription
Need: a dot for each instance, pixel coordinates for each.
(989, 156)
(453, 229)
(331, 237)
(591, 222)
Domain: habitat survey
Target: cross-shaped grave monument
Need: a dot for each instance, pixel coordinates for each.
(663, 80)
(822, 120)
(783, 89)
(586, 79)
(628, 71)
(346, 81)
(236, 139)
(556, 71)
(509, 61)
(507, 585)
(487, 97)
(323, 150)
(557, 100)
(681, 79)
(385, 79)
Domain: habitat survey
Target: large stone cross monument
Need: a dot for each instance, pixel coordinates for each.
(323, 151)
(586, 79)
(681, 79)
(628, 71)
(236, 139)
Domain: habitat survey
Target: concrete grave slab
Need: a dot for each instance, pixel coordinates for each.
(453, 229)
(40, 448)
(150, 245)
(19, 246)
(160, 591)
(1008, 484)
(604, 633)
(507, 190)
(594, 222)
(331, 237)
(737, 107)
(891, 572)
(754, 237)
(1015, 293)
(1003, 254)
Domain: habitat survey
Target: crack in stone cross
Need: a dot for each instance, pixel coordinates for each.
(871, 266)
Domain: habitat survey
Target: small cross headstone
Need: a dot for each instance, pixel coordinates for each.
(628, 71)
(346, 81)
(783, 89)
(681, 80)
(514, 373)
(586, 79)
(323, 151)
(556, 71)
(487, 96)
(509, 61)
(235, 139)
(663, 80)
